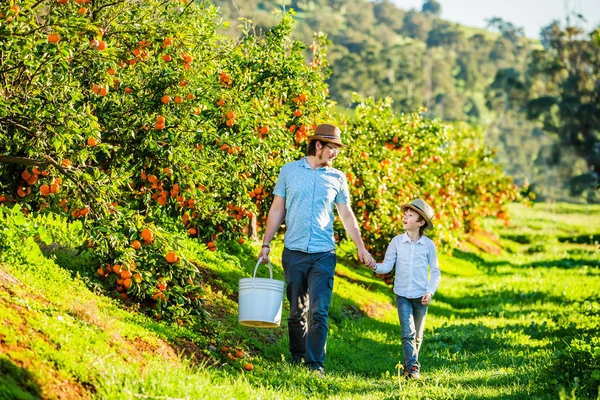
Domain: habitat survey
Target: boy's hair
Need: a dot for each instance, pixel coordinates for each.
(419, 219)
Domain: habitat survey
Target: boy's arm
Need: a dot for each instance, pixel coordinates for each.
(390, 258)
(436, 273)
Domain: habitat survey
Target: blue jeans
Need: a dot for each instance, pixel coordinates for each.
(309, 278)
(412, 321)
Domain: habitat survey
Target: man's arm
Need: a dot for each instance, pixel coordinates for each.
(351, 226)
(274, 220)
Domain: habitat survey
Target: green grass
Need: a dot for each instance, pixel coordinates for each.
(522, 324)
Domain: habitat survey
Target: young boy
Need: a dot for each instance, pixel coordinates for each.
(412, 253)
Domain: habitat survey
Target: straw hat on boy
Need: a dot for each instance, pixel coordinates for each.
(424, 209)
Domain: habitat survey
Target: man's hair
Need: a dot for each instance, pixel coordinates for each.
(312, 147)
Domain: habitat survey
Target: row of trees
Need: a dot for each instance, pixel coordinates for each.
(464, 74)
(140, 118)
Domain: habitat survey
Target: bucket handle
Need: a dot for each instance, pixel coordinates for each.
(256, 268)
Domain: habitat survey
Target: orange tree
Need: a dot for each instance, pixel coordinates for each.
(136, 116)
(139, 117)
(393, 159)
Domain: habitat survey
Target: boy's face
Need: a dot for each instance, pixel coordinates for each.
(410, 220)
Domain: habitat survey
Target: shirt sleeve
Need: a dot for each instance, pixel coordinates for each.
(434, 267)
(390, 258)
(279, 189)
(343, 195)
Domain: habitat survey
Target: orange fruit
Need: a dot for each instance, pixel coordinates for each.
(238, 353)
(211, 245)
(101, 45)
(167, 57)
(32, 179)
(230, 115)
(248, 367)
(178, 99)
(126, 274)
(165, 99)
(136, 244)
(147, 235)
(53, 38)
(160, 119)
(127, 283)
(241, 241)
(127, 90)
(25, 174)
(100, 272)
(44, 190)
(171, 257)
(167, 42)
(117, 269)
(192, 231)
(137, 278)
(103, 91)
(82, 10)
(92, 142)
(54, 188)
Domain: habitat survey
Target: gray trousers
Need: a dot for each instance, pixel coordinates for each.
(309, 278)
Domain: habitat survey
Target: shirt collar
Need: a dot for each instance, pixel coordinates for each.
(404, 238)
(305, 164)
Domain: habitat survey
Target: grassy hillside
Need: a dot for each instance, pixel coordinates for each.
(521, 324)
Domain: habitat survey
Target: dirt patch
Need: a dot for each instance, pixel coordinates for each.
(19, 360)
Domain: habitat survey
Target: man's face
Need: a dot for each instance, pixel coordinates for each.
(327, 153)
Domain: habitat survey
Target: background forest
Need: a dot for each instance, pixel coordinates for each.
(537, 100)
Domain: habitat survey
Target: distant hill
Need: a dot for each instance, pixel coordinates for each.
(424, 62)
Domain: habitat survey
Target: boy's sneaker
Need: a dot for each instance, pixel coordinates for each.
(405, 371)
(413, 372)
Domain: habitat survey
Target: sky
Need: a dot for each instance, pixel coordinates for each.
(532, 15)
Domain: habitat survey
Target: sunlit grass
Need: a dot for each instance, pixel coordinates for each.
(518, 325)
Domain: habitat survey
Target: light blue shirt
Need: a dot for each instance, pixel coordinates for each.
(411, 260)
(309, 196)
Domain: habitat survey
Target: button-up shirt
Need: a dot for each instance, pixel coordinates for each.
(411, 260)
(309, 198)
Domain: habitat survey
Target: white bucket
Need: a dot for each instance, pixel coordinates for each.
(260, 300)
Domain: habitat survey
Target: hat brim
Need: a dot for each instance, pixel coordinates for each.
(322, 139)
(421, 213)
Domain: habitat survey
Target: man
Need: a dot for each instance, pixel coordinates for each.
(304, 195)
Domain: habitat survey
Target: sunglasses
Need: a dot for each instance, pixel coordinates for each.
(334, 149)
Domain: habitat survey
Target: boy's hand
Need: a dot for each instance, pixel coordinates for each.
(369, 261)
(426, 299)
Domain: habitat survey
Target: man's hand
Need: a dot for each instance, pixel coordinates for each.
(426, 299)
(264, 254)
(366, 258)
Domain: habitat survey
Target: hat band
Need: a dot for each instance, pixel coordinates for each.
(327, 136)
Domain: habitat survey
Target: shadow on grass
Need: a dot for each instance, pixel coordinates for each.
(488, 267)
(566, 263)
(580, 239)
(17, 383)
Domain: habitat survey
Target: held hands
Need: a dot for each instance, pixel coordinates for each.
(367, 259)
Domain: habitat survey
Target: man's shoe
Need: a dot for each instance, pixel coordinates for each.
(295, 361)
(317, 369)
